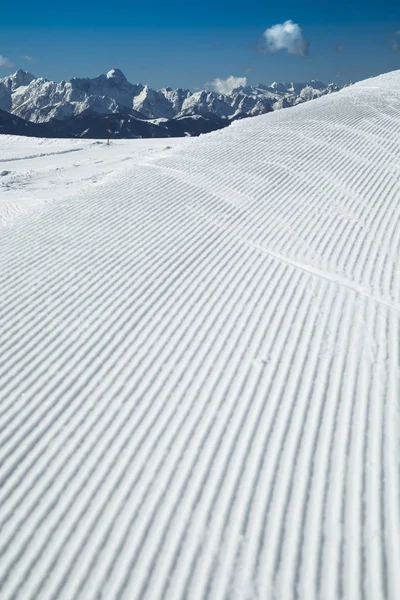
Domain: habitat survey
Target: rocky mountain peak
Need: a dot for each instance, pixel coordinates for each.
(116, 74)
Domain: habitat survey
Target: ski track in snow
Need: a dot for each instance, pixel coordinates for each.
(199, 364)
(43, 155)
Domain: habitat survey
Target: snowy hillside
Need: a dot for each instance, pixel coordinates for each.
(39, 100)
(199, 360)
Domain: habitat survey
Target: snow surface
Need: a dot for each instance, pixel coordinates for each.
(199, 362)
(40, 171)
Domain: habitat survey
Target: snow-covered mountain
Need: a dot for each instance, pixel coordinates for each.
(40, 100)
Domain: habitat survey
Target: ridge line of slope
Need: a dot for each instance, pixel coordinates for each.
(330, 277)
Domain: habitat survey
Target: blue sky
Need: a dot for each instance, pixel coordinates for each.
(187, 44)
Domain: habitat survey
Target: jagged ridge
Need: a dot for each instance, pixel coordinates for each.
(40, 100)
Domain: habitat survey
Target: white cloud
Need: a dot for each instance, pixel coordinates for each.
(395, 44)
(5, 62)
(27, 57)
(225, 86)
(285, 36)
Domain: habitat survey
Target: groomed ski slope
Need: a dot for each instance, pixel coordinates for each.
(199, 361)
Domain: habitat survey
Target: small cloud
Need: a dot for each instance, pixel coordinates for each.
(248, 69)
(285, 36)
(395, 44)
(225, 86)
(26, 57)
(339, 48)
(5, 62)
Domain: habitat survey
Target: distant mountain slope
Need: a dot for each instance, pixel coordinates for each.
(200, 362)
(91, 125)
(12, 125)
(39, 100)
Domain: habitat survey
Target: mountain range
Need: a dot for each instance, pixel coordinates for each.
(77, 108)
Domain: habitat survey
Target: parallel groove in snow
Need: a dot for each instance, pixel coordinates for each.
(199, 369)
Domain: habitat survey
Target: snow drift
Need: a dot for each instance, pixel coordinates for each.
(199, 365)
